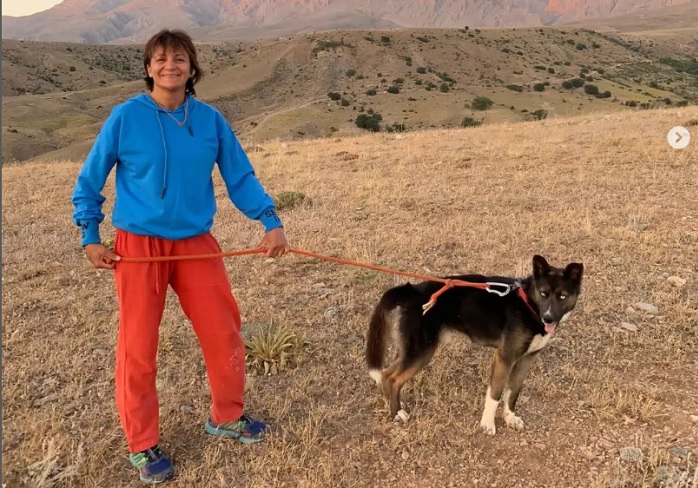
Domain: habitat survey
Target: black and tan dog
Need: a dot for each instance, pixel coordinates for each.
(518, 324)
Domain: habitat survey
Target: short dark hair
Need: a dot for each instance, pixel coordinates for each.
(175, 39)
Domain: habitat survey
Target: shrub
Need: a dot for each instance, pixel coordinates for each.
(577, 82)
(421, 70)
(345, 102)
(539, 114)
(444, 88)
(369, 122)
(385, 40)
(396, 127)
(591, 89)
(351, 72)
(470, 122)
(516, 88)
(370, 92)
(481, 103)
(334, 96)
(394, 89)
(539, 87)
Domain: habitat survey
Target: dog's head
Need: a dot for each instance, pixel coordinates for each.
(555, 290)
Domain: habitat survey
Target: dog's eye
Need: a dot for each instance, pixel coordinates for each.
(543, 293)
(562, 297)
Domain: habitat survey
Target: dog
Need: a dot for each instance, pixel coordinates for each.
(517, 321)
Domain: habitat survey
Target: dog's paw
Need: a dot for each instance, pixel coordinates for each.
(513, 421)
(488, 427)
(401, 416)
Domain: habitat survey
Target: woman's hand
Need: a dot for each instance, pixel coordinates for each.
(101, 257)
(275, 242)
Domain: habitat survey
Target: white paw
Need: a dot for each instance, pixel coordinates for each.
(488, 427)
(513, 421)
(401, 416)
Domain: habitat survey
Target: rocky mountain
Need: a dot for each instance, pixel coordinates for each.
(126, 21)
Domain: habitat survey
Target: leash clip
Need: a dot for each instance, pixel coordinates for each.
(505, 291)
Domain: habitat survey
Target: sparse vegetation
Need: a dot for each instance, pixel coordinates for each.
(602, 189)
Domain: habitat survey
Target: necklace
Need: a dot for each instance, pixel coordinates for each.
(186, 114)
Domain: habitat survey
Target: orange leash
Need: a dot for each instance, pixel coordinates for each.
(447, 283)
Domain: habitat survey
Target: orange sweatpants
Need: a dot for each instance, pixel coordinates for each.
(204, 293)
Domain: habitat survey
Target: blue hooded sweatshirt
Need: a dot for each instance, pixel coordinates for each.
(164, 184)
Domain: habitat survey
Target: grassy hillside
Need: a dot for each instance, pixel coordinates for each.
(415, 78)
(604, 189)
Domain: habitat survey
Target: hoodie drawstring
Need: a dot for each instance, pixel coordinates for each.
(164, 147)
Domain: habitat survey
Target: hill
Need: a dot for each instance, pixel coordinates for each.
(612, 402)
(55, 96)
(124, 21)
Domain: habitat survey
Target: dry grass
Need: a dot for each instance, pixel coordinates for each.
(604, 189)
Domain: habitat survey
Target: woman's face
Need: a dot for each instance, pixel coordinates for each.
(170, 69)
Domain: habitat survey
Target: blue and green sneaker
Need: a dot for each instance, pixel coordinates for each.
(244, 429)
(152, 465)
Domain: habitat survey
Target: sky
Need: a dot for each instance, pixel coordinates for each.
(18, 8)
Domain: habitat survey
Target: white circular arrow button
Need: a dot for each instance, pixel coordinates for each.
(678, 137)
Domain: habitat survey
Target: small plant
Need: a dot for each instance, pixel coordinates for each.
(516, 88)
(370, 92)
(421, 70)
(444, 88)
(273, 349)
(470, 122)
(539, 87)
(394, 89)
(385, 40)
(345, 102)
(334, 96)
(350, 72)
(287, 200)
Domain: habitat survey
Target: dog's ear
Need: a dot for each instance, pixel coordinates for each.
(540, 266)
(573, 272)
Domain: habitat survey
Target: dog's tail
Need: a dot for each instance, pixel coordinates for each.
(379, 326)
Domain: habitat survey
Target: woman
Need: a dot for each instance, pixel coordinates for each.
(164, 145)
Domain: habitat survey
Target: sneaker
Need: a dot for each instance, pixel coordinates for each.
(152, 465)
(244, 429)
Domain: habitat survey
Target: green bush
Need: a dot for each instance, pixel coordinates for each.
(334, 96)
(369, 122)
(539, 87)
(394, 89)
(591, 89)
(516, 88)
(470, 122)
(351, 72)
(444, 88)
(421, 70)
(481, 103)
(370, 92)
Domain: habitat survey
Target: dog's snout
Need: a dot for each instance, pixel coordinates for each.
(548, 317)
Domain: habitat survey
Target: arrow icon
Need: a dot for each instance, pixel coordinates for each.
(678, 137)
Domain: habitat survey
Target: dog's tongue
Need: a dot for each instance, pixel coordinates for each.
(549, 327)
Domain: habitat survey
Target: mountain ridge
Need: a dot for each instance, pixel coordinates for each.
(133, 21)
